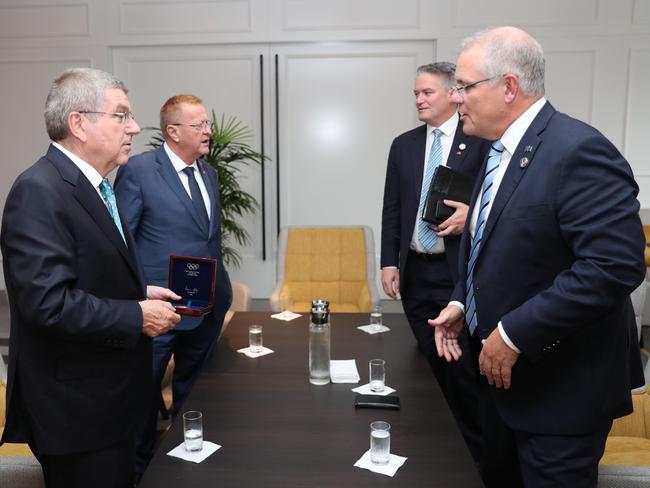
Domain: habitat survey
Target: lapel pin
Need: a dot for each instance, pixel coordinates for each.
(528, 149)
(523, 162)
(462, 146)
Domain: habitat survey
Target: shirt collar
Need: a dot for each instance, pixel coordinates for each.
(448, 127)
(513, 134)
(178, 164)
(89, 172)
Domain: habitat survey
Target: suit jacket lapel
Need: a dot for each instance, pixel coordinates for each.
(90, 200)
(459, 148)
(168, 173)
(418, 150)
(133, 254)
(211, 185)
(518, 166)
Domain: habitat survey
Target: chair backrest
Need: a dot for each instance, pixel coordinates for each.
(3, 391)
(241, 297)
(636, 424)
(646, 231)
(638, 298)
(333, 263)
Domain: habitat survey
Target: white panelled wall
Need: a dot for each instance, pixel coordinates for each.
(344, 71)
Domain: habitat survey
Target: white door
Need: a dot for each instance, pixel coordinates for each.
(326, 124)
(341, 105)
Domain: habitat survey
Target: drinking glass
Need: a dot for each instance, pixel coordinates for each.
(255, 338)
(193, 430)
(377, 376)
(380, 442)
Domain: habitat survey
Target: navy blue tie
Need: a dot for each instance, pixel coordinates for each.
(197, 198)
(494, 158)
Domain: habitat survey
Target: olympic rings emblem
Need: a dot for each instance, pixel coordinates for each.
(193, 266)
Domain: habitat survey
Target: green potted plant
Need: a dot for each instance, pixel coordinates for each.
(229, 150)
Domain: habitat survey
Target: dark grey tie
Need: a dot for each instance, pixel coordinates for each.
(197, 198)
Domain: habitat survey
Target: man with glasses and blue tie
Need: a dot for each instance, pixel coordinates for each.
(170, 199)
(419, 262)
(81, 323)
(552, 250)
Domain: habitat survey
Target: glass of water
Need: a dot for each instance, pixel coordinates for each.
(377, 375)
(380, 442)
(376, 317)
(193, 430)
(255, 338)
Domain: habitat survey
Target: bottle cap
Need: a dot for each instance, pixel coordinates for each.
(320, 304)
(319, 315)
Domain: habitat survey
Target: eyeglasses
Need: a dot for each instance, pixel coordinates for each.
(124, 118)
(204, 124)
(460, 90)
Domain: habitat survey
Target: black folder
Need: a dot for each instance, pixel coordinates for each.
(446, 184)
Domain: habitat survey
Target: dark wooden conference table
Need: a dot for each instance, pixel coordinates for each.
(278, 430)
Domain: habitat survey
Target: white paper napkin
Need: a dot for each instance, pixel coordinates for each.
(388, 469)
(286, 316)
(365, 390)
(370, 329)
(194, 456)
(250, 354)
(344, 371)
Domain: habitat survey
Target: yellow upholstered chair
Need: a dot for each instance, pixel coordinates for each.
(330, 263)
(626, 462)
(629, 440)
(646, 231)
(18, 466)
(8, 449)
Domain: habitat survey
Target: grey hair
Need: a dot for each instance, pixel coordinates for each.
(443, 69)
(510, 50)
(76, 90)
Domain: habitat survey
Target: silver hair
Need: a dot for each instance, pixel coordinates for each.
(76, 90)
(443, 69)
(505, 53)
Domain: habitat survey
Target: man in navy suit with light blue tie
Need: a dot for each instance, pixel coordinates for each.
(552, 250)
(170, 199)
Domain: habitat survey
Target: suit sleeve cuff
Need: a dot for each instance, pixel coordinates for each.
(506, 339)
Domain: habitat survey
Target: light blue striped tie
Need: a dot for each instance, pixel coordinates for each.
(494, 158)
(426, 235)
(109, 198)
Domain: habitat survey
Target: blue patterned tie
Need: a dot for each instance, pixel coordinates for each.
(109, 198)
(494, 158)
(426, 235)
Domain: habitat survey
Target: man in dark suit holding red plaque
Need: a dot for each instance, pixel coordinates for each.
(80, 347)
(170, 199)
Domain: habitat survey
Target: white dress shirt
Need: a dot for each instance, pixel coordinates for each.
(179, 166)
(88, 171)
(510, 140)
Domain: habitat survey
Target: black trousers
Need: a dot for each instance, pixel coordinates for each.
(425, 291)
(110, 467)
(526, 459)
